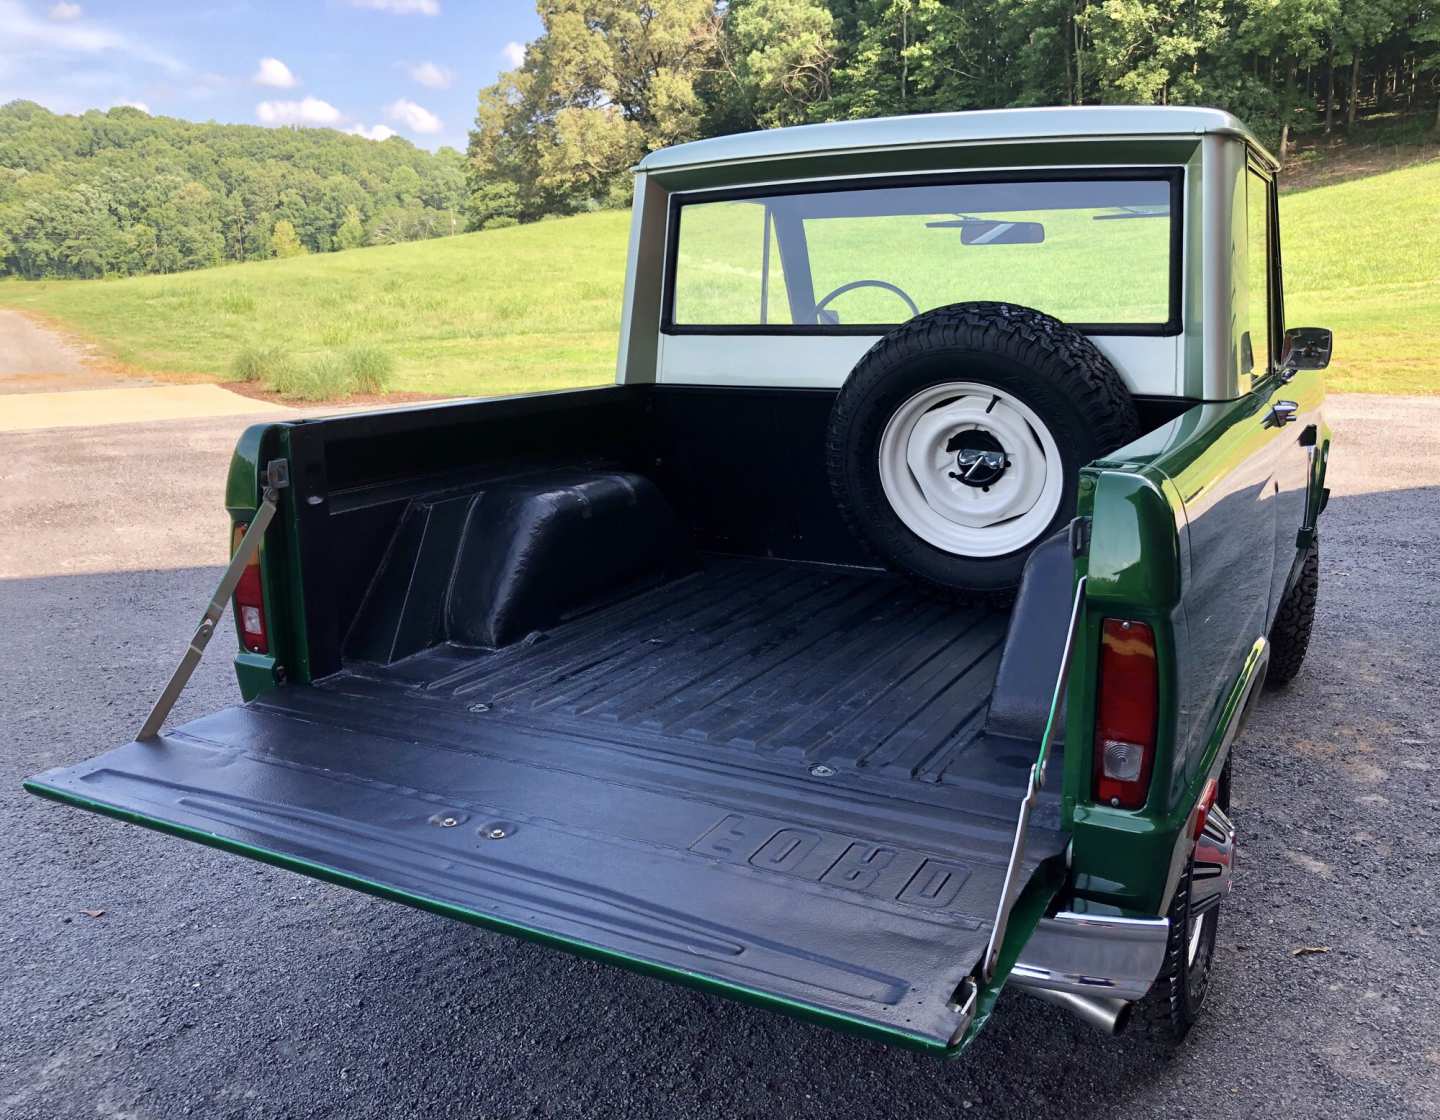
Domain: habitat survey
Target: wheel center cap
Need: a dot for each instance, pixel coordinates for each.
(979, 458)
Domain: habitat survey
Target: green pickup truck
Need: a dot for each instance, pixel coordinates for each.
(880, 638)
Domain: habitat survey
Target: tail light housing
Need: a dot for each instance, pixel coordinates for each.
(1125, 714)
(250, 601)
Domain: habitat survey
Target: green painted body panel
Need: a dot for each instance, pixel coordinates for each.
(284, 607)
(255, 673)
(1196, 532)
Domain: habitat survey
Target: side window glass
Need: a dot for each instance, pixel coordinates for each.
(1255, 345)
(728, 267)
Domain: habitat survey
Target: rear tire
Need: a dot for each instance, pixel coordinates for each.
(1173, 1004)
(955, 445)
(1290, 633)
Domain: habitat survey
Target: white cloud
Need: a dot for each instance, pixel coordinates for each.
(374, 132)
(273, 72)
(307, 111)
(26, 38)
(134, 105)
(66, 12)
(514, 55)
(400, 7)
(416, 118)
(431, 74)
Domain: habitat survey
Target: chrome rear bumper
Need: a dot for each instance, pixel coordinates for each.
(1093, 955)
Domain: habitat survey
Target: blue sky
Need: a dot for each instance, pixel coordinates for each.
(408, 66)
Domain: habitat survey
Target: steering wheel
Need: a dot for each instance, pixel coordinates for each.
(889, 287)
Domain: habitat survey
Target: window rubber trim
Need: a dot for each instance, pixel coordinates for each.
(1175, 176)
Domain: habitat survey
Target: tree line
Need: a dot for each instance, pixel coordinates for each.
(120, 192)
(608, 80)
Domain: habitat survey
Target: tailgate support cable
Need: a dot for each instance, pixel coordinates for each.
(1011, 890)
(275, 478)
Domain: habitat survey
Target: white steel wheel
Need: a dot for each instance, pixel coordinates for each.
(955, 445)
(971, 469)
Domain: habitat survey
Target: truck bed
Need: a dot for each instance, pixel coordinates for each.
(770, 777)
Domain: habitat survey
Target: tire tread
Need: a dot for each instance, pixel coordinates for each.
(1294, 621)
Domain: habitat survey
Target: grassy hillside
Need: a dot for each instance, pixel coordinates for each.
(537, 307)
(1363, 258)
(509, 310)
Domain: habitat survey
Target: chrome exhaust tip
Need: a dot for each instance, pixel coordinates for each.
(1105, 1013)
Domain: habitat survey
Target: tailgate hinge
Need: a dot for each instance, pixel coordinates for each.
(276, 477)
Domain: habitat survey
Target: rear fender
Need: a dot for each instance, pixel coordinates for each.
(1134, 569)
(257, 673)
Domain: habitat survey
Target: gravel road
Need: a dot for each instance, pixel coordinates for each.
(211, 986)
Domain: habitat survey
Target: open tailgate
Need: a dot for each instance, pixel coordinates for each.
(843, 903)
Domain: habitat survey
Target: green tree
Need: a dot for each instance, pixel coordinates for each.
(351, 234)
(284, 241)
(1426, 33)
(102, 193)
(1292, 33)
(912, 56)
(779, 55)
(491, 203)
(606, 81)
(186, 229)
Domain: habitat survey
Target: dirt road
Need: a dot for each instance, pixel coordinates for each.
(36, 359)
(48, 381)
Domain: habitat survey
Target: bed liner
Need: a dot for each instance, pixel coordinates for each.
(771, 778)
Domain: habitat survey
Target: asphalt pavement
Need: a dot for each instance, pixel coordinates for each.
(146, 977)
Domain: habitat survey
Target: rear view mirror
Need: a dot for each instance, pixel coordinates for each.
(983, 231)
(1306, 348)
(1002, 233)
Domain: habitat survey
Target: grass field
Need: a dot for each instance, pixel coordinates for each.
(1363, 258)
(538, 307)
(508, 310)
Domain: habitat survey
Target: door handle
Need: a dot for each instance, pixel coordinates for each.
(1282, 413)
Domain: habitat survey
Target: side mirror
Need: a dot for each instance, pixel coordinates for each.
(1306, 348)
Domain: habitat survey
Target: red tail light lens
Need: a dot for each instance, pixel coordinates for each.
(1126, 714)
(250, 601)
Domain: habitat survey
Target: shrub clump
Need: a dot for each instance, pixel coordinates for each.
(370, 368)
(325, 377)
(260, 363)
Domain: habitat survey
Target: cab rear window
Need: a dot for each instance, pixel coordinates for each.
(1099, 253)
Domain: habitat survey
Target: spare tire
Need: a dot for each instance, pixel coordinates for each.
(955, 444)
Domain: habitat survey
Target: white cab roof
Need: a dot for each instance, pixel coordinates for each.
(939, 129)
